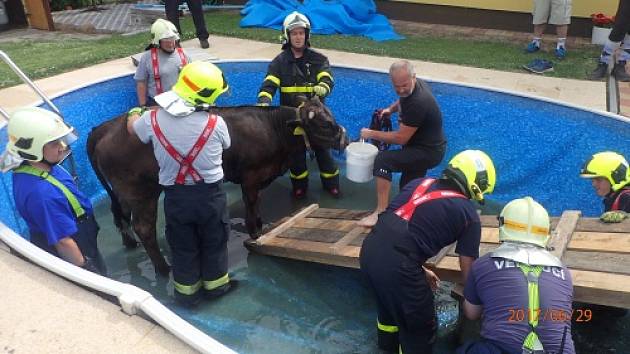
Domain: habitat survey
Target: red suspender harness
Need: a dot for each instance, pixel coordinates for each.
(420, 196)
(615, 204)
(156, 67)
(185, 163)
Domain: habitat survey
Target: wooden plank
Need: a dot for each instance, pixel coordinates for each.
(600, 242)
(310, 222)
(606, 262)
(490, 235)
(287, 224)
(358, 241)
(346, 239)
(316, 235)
(561, 235)
(595, 225)
(345, 214)
(431, 262)
(588, 286)
(483, 249)
(309, 251)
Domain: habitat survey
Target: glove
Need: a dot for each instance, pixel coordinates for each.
(613, 216)
(262, 104)
(136, 110)
(320, 90)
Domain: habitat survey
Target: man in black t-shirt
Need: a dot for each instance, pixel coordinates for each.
(420, 134)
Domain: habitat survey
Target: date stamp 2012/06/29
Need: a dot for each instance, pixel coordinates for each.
(557, 315)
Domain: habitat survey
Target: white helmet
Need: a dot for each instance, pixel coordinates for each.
(292, 21)
(524, 220)
(162, 29)
(31, 128)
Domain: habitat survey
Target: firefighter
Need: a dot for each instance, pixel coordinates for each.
(300, 73)
(188, 143)
(426, 216)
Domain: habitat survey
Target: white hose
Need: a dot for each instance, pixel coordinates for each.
(131, 298)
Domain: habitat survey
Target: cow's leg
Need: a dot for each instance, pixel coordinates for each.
(123, 223)
(253, 223)
(144, 213)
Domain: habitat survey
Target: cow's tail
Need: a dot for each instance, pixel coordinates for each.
(93, 138)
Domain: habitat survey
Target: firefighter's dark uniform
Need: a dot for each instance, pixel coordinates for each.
(295, 79)
(392, 255)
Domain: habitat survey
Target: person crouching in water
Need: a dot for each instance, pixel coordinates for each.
(523, 292)
(60, 218)
(425, 217)
(610, 176)
(188, 143)
(160, 64)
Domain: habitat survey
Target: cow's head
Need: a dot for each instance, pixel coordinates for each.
(320, 126)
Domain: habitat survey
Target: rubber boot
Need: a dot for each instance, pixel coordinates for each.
(619, 72)
(599, 72)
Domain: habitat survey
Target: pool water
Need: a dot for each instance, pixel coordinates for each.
(283, 306)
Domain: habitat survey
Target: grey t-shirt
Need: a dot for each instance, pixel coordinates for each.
(170, 66)
(500, 287)
(182, 133)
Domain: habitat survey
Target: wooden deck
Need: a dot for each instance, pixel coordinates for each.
(597, 254)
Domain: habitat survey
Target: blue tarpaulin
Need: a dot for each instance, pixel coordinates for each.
(352, 17)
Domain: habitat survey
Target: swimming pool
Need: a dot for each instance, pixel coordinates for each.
(285, 306)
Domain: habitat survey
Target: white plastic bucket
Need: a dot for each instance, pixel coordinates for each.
(360, 161)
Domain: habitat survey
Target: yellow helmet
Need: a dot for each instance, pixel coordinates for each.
(473, 171)
(524, 220)
(30, 128)
(609, 165)
(162, 29)
(200, 82)
(292, 21)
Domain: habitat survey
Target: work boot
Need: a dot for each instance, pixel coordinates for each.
(619, 72)
(599, 72)
(204, 43)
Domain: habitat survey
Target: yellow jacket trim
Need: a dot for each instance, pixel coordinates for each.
(265, 94)
(273, 79)
(294, 89)
(325, 85)
(213, 284)
(329, 175)
(298, 131)
(324, 73)
(300, 176)
(386, 328)
(187, 289)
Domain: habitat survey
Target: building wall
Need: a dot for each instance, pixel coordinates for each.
(581, 8)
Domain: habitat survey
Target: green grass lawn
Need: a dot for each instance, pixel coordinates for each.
(40, 59)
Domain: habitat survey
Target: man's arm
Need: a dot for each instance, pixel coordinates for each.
(270, 84)
(472, 312)
(465, 264)
(141, 91)
(69, 251)
(400, 136)
(131, 118)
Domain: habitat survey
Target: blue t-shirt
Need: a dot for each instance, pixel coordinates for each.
(438, 223)
(44, 207)
(500, 287)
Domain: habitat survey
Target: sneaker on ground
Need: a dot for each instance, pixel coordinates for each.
(532, 47)
(561, 53)
(204, 43)
(539, 66)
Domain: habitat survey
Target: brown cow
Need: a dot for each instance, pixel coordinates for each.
(262, 139)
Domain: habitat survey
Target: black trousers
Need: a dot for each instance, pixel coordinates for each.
(406, 313)
(326, 163)
(413, 162)
(85, 238)
(622, 22)
(172, 14)
(197, 231)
